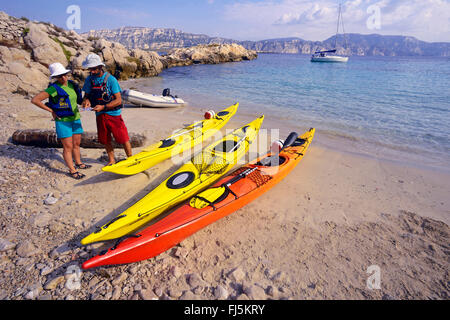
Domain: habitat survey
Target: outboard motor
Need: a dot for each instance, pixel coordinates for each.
(166, 92)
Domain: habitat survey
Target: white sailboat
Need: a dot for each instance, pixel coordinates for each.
(330, 55)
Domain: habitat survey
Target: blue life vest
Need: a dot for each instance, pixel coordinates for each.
(100, 95)
(61, 103)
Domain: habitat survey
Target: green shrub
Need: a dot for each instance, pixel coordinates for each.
(66, 52)
(135, 60)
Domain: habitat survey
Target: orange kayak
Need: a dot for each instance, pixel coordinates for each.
(226, 196)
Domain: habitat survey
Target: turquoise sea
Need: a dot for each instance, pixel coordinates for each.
(394, 108)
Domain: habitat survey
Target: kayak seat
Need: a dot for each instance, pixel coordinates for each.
(222, 113)
(298, 142)
(167, 143)
(272, 161)
(226, 146)
(180, 180)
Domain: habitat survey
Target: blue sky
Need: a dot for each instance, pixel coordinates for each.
(427, 20)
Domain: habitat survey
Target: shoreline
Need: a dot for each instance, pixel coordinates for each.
(179, 117)
(362, 144)
(312, 236)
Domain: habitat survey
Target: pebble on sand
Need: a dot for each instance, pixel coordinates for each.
(6, 245)
(50, 200)
(220, 293)
(27, 249)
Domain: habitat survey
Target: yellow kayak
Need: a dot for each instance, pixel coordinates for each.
(180, 141)
(200, 171)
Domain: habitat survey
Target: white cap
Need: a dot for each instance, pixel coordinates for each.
(57, 69)
(92, 60)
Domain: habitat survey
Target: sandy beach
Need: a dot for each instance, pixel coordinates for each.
(313, 236)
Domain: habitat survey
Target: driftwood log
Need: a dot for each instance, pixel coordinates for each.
(48, 139)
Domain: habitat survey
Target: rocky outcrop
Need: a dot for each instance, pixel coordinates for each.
(19, 71)
(27, 48)
(208, 54)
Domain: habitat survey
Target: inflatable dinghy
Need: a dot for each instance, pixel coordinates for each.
(152, 100)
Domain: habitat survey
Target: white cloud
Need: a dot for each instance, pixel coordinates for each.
(428, 20)
(313, 13)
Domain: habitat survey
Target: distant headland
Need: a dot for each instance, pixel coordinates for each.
(357, 44)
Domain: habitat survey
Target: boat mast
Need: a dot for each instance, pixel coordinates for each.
(337, 27)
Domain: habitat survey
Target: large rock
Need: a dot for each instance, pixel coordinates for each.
(149, 62)
(18, 73)
(45, 50)
(208, 54)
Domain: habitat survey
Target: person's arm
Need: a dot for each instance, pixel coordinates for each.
(117, 101)
(86, 89)
(37, 100)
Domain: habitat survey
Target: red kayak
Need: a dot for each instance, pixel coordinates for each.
(226, 196)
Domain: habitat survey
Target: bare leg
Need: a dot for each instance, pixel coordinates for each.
(110, 151)
(127, 148)
(76, 139)
(67, 153)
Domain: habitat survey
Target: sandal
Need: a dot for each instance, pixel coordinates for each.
(82, 166)
(76, 175)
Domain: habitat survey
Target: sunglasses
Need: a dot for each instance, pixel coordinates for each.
(62, 75)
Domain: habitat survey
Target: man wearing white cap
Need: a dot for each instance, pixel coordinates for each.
(63, 96)
(103, 94)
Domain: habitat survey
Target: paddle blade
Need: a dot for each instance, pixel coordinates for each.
(290, 139)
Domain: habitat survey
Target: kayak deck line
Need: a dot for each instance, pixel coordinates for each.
(178, 142)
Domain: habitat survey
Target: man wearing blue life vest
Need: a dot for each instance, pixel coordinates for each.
(103, 95)
(63, 96)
